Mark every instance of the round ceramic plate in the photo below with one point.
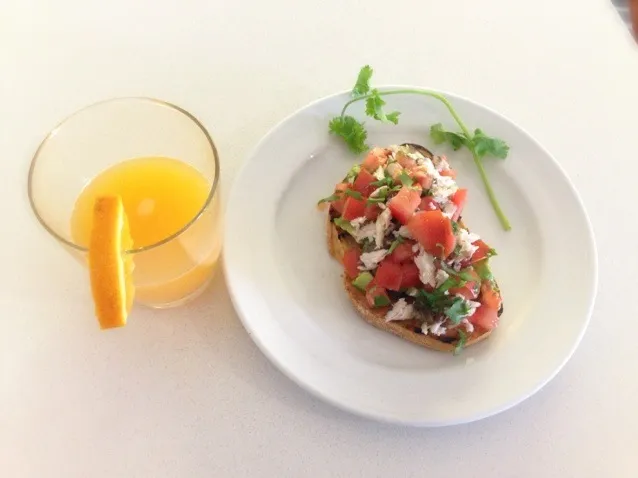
(288, 290)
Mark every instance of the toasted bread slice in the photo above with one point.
(407, 329)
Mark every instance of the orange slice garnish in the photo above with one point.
(110, 268)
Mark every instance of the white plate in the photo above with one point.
(288, 291)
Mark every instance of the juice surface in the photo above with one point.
(160, 196)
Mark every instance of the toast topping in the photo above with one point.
(401, 310)
(399, 214)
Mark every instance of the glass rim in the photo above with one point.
(184, 228)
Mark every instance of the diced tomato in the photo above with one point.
(485, 317)
(353, 208)
(481, 253)
(428, 204)
(448, 172)
(388, 275)
(375, 158)
(406, 161)
(489, 296)
(433, 231)
(404, 204)
(459, 198)
(338, 205)
(372, 211)
(471, 288)
(362, 182)
(423, 178)
(351, 262)
(402, 253)
(410, 275)
(372, 291)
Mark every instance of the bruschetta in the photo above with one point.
(411, 266)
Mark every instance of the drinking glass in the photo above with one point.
(172, 270)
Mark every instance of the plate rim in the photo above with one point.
(368, 414)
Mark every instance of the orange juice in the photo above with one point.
(161, 196)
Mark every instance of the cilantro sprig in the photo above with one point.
(479, 144)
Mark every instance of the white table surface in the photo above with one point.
(185, 392)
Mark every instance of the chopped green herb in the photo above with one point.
(375, 200)
(382, 192)
(368, 245)
(352, 174)
(387, 181)
(461, 342)
(362, 86)
(457, 311)
(435, 301)
(352, 132)
(394, 244)
(483, 270)
(451, 283)
(381, 301)
(353, 194)
(491, 252)
(343, 224)
(455, 227)
(334, 197)
(465, 274)
(405, 179)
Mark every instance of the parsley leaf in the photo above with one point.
(376, 200)
(393, 117)
(484, 145)
(362, 86)
(353, 194)
(334, 197)
(465, 274)
(374, 108)
(439, 136)
(449, 283)
(457, 311)
(461, 342)
(387, 181)
(352, 132)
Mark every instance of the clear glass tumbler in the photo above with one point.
(163, 163)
